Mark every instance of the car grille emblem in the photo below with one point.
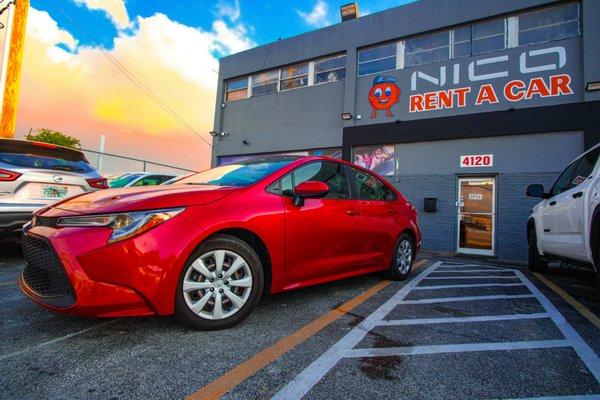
(57, 178)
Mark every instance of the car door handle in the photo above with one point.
(391, 211)
(352, 212)
(552, 203)
(577, 195)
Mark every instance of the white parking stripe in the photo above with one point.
(584, 351)
(304, 381)
(450, 266)
(576, 397)
(57, 340)
(455, 348)
(467, 298)
(453, 320)
(471, 270)
(346, 346)
(473, 277)
(467, 285)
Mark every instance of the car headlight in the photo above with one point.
(124, 225)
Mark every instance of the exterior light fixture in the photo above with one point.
(592, 86)
(218, 134)
(346, 116)
(349, 11)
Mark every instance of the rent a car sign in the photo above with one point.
(522, 77)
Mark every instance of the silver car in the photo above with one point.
(33, 175)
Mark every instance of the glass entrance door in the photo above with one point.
(476, 215)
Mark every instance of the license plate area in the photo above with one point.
(54, 192)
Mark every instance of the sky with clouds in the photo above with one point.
(120, 67)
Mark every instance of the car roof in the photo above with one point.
(41, 149)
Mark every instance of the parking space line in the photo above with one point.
(583, 310)
(453, 320)
(243, 371)
(455, 348)
(56, 340)
(467, 298)
(461, 266)
(471, 270)
(473, 277)
(575, 397)
(583, 350)
(346, 346)
(312, 374)
(467, 285)
(9, 283)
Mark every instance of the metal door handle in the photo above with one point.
(391, 211)
(553, 203)
(577, 195)
(352, 212)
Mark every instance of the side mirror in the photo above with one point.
(309, 190)
(536, 191)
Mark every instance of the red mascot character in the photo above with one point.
(383, 95)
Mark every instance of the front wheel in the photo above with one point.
(402, 260)
(220, 285)
(534, 260)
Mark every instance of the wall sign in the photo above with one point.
(477, 160)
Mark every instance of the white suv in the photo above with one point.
(565, 225)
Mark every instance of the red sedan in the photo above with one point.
(207, 248)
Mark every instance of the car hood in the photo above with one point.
(140, 198)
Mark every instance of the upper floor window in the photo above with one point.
(294, 76)
(488, 36)
(549, 24)
(236, 89)
(330, 69)
(266, 82)
(377, 59)
(427, 49)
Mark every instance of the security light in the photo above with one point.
(592, 86)
(346, 116)
(349, 11)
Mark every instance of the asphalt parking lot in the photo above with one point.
(456, 329)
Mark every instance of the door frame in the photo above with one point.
(480, 252)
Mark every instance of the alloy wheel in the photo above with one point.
(217, 284)
(404, 256)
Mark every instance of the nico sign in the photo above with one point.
(477, 160)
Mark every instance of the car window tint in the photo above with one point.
(45, 162)
(584, 168)
(369, 187)
(564, 181)
(332, 174)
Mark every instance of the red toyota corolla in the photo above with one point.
(207, 248)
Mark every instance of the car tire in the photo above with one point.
(402, 258)
(534, 259)
(196, 307)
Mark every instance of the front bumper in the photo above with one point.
(135, 277)
(11, 222)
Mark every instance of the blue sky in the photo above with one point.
(266, 21)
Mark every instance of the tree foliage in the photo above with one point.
(54, 137)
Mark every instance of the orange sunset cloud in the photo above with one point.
(78, 90)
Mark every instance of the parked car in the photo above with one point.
(175, 179)
(33, 175)
(565, 225)
(207, 248)
(139, 179)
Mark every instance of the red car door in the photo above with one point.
(323, 237)
(380, 213)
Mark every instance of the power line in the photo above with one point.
(130, 76)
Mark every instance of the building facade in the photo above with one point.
(460, 104)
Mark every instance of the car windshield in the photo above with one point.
(241, 174)
(123, 180)
(44, 162)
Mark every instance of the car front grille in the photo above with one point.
(44, 273)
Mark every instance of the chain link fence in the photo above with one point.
(111, 164)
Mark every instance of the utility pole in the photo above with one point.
(11, 63)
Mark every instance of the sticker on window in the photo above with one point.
(578, 180)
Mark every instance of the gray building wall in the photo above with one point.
(518, 162)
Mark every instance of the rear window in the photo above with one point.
(25, 154)
(39, 162)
